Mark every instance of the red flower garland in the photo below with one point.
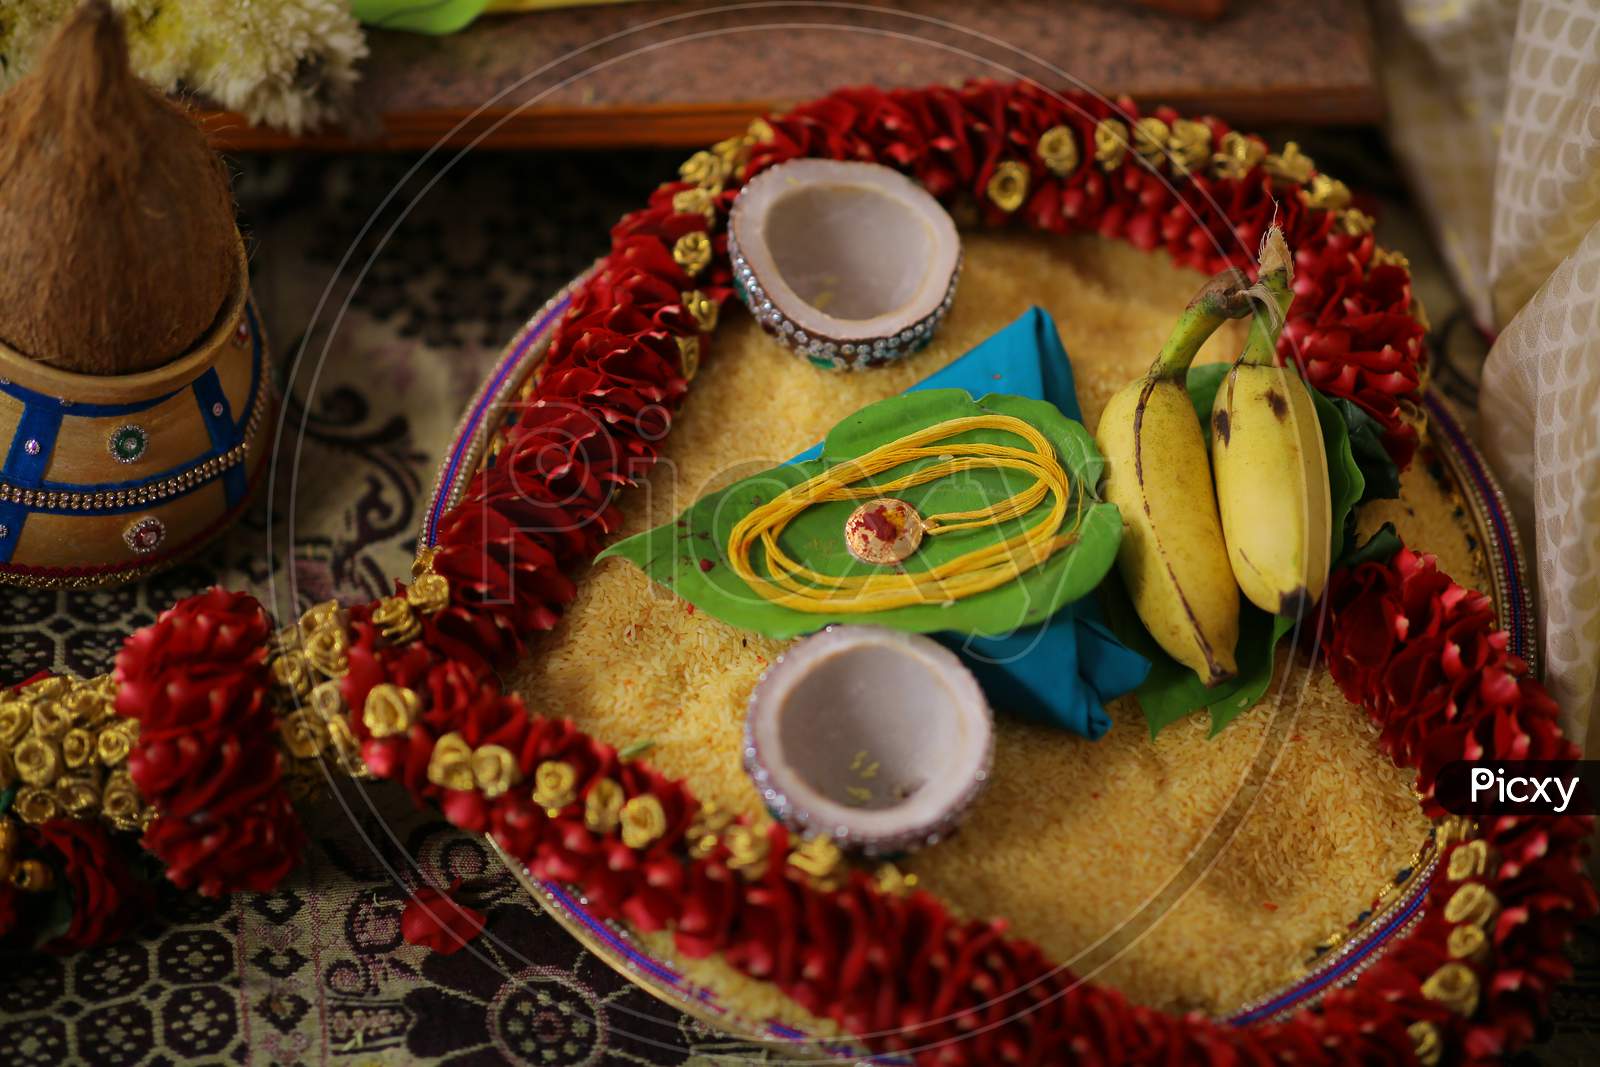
(196, 682)
(108, 901)
(1354, 335)
(1421, 654)
(87, 868)
(435, 920)
(897, 967)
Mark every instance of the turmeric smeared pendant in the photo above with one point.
(883, 531)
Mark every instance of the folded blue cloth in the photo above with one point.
(1063, 671)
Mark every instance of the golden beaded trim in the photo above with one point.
(1421, 864)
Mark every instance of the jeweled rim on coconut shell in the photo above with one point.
(406, 687)
(830, 352)
(831, 342)
(794, 800)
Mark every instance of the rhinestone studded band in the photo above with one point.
(827, 352)
(151, 492)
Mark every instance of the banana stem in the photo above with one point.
(1274, 284)
(1220, 299)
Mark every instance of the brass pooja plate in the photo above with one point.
(1338, 961)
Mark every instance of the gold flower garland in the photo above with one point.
(65, 750)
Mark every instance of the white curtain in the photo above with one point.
(1495, 113)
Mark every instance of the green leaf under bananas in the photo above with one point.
(1346, 482)
(1366, 445)
(1379, 548)
(1171, 690)
(689, 555)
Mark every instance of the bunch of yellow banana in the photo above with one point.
(1270, 463)
(1172, 557)
(1188, 547)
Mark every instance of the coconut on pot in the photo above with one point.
(135, 387)
(849, 265)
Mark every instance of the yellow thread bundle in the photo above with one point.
(796, 586)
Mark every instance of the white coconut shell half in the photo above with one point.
(877, 739)
(848, 265)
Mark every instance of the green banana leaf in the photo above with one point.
(689, 555)
(1171, 690)
(1347, 485)
(1378, 468)
(1379, 548)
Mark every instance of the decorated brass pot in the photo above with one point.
(107, 478)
